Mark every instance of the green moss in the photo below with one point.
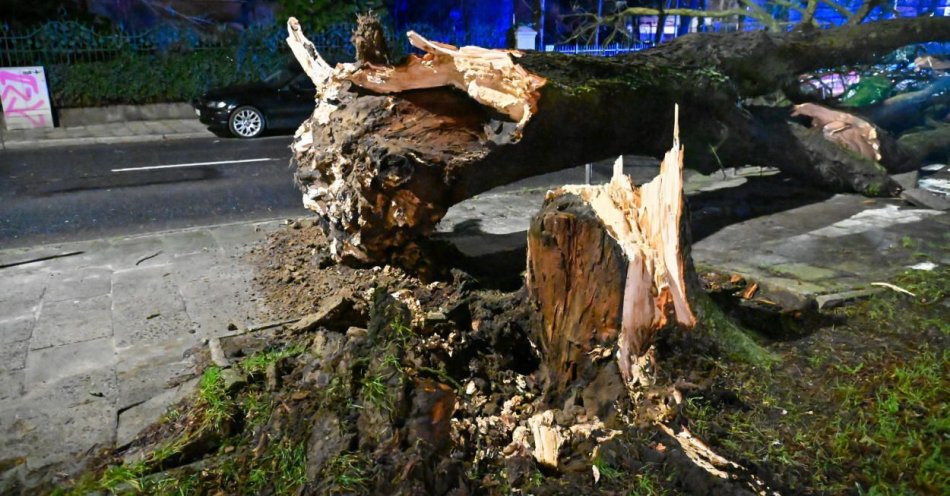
(731, 339)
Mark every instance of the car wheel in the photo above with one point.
(246, 122)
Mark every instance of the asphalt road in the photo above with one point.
(85, 192)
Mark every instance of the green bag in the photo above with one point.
(868, 91)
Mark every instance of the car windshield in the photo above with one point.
(280, 77)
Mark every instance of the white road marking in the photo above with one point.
(194, 164)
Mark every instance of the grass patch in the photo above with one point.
(283, 469)
(349, 472)
(648, 483)
(899, 426)
(257, 408)
(374, 391)
(401, 332)
(335, 394)
(258, 362)
(213, 400)
(118, 475)
(607, 471)
(859, 406)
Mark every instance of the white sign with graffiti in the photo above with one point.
(25, 98)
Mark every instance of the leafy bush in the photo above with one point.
(136, 78)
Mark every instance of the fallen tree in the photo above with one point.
(390, 148)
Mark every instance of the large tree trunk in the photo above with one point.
(607, 270)
(389, 149)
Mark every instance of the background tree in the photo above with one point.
(318, 14)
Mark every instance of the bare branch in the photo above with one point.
(808, 18)
(307, 54)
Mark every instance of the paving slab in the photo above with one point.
(72, 321)
(145, 370)
(147, 306)
(91, 256)
(861, 242)
(217, 293)
(74, 284)
(134, 419)
(16, 329)
(135, 252)
(11, 386)
(804, 272)
(137, 127)
(87, 336)
(23, 298)
(238, 239)
(15, 256)
(98, 385)
(835, 300)
(798, 243)
(49, 436)
(53, 364)
(13, 355)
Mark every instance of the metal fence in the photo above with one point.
(602, 50)
(71, 42)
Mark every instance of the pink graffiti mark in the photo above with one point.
(12, 96)
(19, 78)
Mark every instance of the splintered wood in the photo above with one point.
(490, 77)
(844, 129)
(606, 267)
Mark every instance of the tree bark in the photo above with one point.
(902, 112)
(389, 149)
(932, 145)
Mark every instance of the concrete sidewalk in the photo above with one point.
(116, 132)
(805, 249)
(87, 340)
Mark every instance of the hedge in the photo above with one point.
(142, 78)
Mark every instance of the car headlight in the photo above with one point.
(219, 105)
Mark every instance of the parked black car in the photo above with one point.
(281, 101)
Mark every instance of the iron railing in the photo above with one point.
(608, 50)
(69, 42)
(72, 42)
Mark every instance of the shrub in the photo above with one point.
(135, 78)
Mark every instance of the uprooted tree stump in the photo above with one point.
(607, 269)
(389, 148)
